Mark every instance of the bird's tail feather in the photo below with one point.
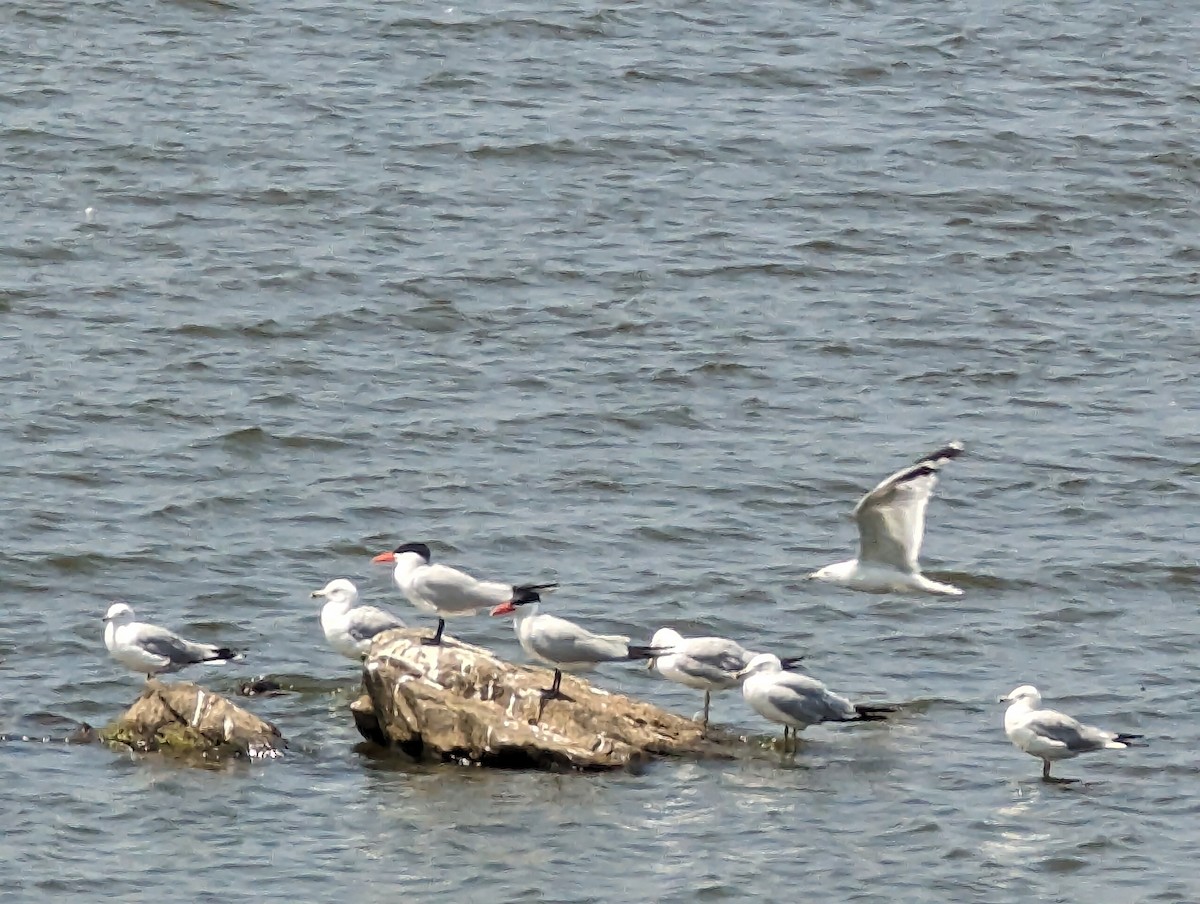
(637, 651)
(224, 654)
(874, 712)
(1130, 740)
(789, 661)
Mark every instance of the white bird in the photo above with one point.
(891, 525)
(798, 701)
(152, 650)
(705, 663)
(448, 591)
(1051, 735)
(350, 628)
(564, 644)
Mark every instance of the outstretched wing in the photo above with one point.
(891, 518)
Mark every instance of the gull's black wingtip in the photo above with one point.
(952, 449)
(875, 712)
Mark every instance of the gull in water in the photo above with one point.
(564, 644)
(705, 663)
(447, 591)
(1050, 735)
(350, 628)
(152, 650)
(798, 701)
(891, 525)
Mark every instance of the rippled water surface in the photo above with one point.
(638, 297)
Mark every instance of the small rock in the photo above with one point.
(188, 720)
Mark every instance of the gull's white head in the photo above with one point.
(666, 637)
(1027, 694)
(838, 573)
(339, 590)
(119, 614)
(663, 639)
(762, 664)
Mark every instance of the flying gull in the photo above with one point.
(891, 525)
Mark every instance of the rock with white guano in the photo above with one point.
(462, 703)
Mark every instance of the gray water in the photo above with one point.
(638, 297)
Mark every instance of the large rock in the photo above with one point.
(191, 721)
(460, 703)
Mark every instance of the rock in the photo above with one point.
(262, 686)
(187, 720)
(461, 703)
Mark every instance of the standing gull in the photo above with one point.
(705, 663)
(348, 627)
(565, 645)
(1051, 735)
(152, 650)
(797, 701)
(448, 591)
(891, 525)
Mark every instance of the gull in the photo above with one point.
(891, 525)
(152, 650)
(705, 663)
(1051, 735)
(564, 644)
(350, 628)
(448, 591)
(798, 701)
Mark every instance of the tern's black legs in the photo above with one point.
(436, 640)
(552, 692)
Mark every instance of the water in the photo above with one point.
(636, 297)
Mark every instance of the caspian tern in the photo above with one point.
(705, 663)
(891, 526)
(1051, 735)
(152, 650)
(448, 591)
(798, 701)
(564, 644)
(348, 627)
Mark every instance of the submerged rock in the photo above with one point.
(188, 720)
(461, 703)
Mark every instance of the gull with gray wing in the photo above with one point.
(798, 701)
(348, 627)
(704, 663)
(151, 650)
(1050, 735)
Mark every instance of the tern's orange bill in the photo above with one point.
(385, 557)
(504, 609)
